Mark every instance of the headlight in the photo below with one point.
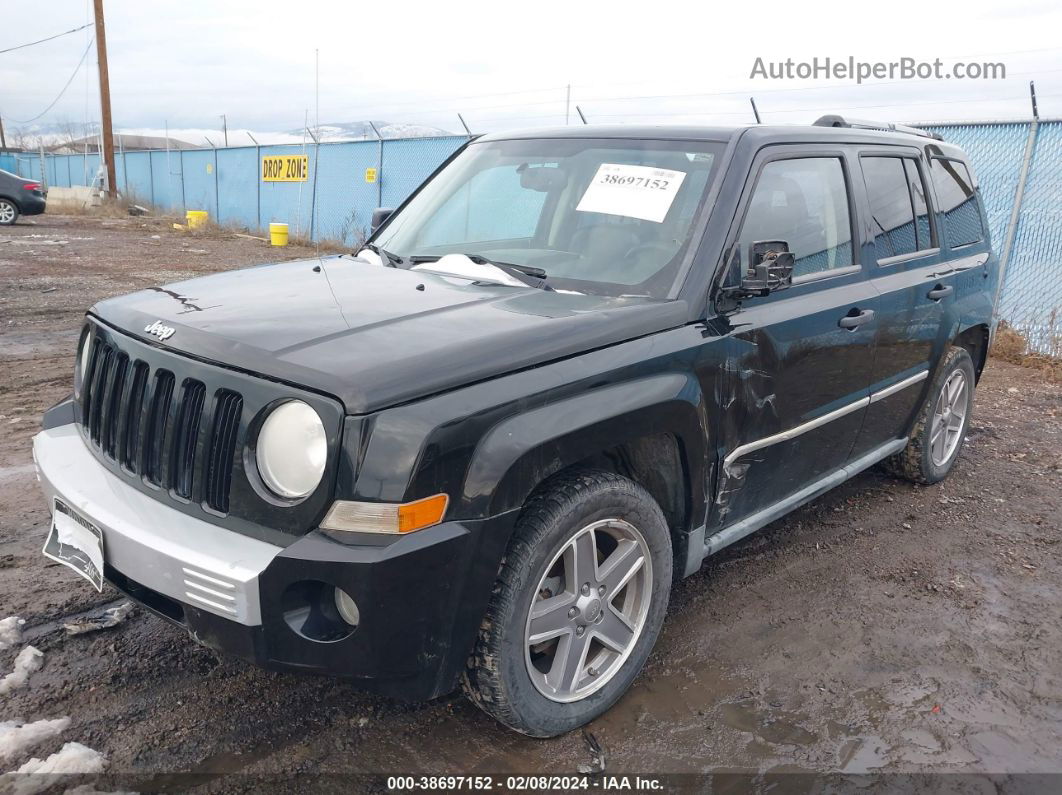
(81, 366)
(292, 450)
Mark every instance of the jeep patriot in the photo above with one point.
(574, 363)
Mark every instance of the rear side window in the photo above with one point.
(891, 208)
(803, 202)
(958, 202)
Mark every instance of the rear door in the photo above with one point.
(917, 290)
(800, 359)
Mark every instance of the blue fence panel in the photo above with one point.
(60, 172)
(407, 162)
(30, 167)
(92, 167)
(8, 162)
(237, 173)
(288, 202)
(166, 180)
(137, 180)
(1032, 292)
(345, 201)
(119, 172)
(200, 187)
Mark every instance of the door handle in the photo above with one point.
(851, 321)
(939, 292)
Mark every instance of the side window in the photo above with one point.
(493, 204)
(891, 211)
(803, 202)
(958, 202)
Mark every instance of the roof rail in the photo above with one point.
(833, 120)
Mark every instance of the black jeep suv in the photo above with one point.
(569, 367)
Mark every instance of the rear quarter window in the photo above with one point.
(958, 202)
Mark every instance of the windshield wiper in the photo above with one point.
(516, 271)
(389, 259)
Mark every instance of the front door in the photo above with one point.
(800, 359)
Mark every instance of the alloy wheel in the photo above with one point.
(589, 610)
(949, 414)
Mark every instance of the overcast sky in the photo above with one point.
(507, 64)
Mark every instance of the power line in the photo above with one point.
(63, 91)
(41, 41)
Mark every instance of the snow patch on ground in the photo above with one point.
(30, 659)
(17, 737)
(10, 632)
(37, 774)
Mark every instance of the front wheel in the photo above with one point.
(942, 423)
(577, 606)
(8, 212)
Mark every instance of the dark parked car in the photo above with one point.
(19, 196)
(566, 370)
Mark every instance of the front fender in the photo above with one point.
(520, 452)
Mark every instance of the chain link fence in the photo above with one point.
(346, 181)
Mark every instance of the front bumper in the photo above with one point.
(421, 597)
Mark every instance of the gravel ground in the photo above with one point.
(884, 627)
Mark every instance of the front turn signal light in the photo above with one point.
(384, 517)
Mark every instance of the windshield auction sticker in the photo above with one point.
(632, 191)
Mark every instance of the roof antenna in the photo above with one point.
(755, 110)
(1032, 96)
(461, 118)
(580, 112)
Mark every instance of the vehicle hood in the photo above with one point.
(374, 336)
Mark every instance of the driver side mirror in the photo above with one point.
(770, 268)
(379, 215)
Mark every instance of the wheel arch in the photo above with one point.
(651, 430)
(975, 340)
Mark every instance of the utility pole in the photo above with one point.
(105, 97)
(3, 140)
(225, 128)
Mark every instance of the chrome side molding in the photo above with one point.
(818, 422)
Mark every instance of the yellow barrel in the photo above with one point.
(196, 218)
(278, 234)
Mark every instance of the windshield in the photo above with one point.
(612, 217)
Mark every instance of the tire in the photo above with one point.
(522, 685)
(926, 459)
(8, 212)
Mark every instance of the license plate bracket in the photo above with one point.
(75, 542)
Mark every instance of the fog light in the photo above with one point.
(347, 607)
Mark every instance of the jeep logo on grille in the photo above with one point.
(160, 331)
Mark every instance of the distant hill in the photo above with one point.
(358, 130)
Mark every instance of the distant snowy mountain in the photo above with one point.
(358, 130)
(59, 134)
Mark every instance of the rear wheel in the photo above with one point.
(577, 606)
(942, 423)
(8, 212)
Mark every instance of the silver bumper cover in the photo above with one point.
(184, 558)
